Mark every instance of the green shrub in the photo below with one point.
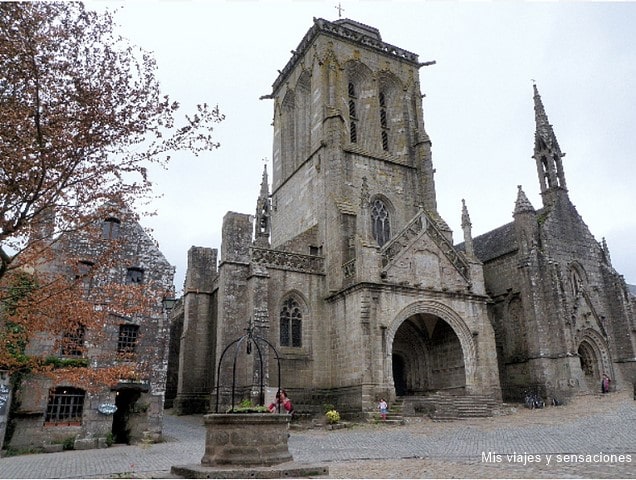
(327, 406)
(68, 443)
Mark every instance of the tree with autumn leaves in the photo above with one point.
(82, 118)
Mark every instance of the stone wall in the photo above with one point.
(132, 248)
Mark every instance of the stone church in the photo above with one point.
(349, 272)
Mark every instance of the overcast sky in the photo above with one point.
(478, 108)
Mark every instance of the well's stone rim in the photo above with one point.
(233, 418)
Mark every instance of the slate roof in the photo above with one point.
(494, 244)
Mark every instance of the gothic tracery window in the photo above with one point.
(291, 324)
(575, 281)
(381, 227)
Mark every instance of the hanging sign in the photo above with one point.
(107, 408)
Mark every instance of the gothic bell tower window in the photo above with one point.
(383, 123)
(381, 227)
(353, 118)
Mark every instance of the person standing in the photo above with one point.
(605, 383)
(384, 409)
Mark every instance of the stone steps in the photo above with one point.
(448, 407)
(394, 417)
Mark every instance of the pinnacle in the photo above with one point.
(522, 205)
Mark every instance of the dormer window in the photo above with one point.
(110, 228)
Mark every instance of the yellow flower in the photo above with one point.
(332, 416)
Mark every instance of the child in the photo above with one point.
(384, 409)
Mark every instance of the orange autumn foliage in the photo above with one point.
(82, 117)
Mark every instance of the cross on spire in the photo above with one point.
(340, 10)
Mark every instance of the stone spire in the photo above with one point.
(547, 152)
(466, 227)
(522, 205)
(262, 225)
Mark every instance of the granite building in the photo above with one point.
(349, 271)
(347, 267)
(54, 414)
(563, 316)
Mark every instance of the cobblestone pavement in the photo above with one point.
(594, 437)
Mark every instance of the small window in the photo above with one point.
(291, 324)
(134, 275)
(352, 109)
(73, 342)
(65, 405)
(315, 251)
(83, 268)
(82, 274)
(127, 340)
(383, 123)
(111, 228)
(353, 128)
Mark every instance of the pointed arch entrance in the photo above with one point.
(594, 359)
(431, 350)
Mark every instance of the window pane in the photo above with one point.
(291, 324)
(297, 333)
(134, 275)
(127, 341)
(110, 228)
(284, 332)
(380, 222)
(73, 342)
(66, 404)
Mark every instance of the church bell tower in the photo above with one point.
(348, 124)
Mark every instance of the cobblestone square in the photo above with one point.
(593, 437)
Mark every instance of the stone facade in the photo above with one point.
(355, 278)
(562, 315)
(347, 268)
(139, 403)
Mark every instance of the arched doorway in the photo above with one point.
(399, 375)
(427, 356)
(590, 365)
(594, 359)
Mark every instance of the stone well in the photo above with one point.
(246, 439)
